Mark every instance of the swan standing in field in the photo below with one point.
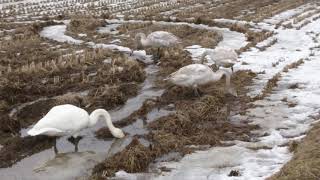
(157, 39)
(194, 75)
(68, 119)
(222, 56)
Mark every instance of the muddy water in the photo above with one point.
(148, 91)
(69, 164)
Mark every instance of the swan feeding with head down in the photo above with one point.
(194, 75)
(157, 39)
(222, 57)
(68, 119)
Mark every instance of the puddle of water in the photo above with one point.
(148, 91)
(136, 128)
(69, 165)
(157, 113)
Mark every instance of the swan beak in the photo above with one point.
(233, 92)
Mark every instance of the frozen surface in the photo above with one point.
(57, 33)
(279, 122)
(68, 165)
(109, 29)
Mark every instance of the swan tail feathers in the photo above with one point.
(44, 131)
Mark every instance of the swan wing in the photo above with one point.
(46, 131)
(224, 54)
(194, 69)
(65, 118)
(163, 38)
(190, 73)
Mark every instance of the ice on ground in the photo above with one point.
(109, 29)
(279, 122)
(288, 14)
(57, 33)
(231, 39)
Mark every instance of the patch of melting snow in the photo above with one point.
(231, 39)
(279, 122)
(109, 29)
(288, 14)
(72, 165)
(82, 35)
(57, 33)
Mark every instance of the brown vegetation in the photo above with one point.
(306, 160)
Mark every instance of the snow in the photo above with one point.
(279, 122)
(288, 14)
(57, 33)
(109, 29)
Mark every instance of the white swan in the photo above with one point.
(157, 39)
(70, 120)
(194, 75)
(222, 56)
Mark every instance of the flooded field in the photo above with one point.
(85, 53)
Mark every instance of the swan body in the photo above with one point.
(68, 119)
(194, 75)
(222, 56)
(157, 39)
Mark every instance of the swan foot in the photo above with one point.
(75, 142)
(157, 56)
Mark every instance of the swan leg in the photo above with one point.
(159, 54)
(55, 147)
(75, 142)
(196, 92)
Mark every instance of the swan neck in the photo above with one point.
(203, 57)
(96, 114)
(218, 75)
(144, 40)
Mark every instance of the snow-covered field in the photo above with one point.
(279, 122)
(284, 111)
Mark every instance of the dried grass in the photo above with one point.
(305, 163)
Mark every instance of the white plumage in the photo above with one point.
(157, 39)
(194, 75)
(70, 120)
(222, 56)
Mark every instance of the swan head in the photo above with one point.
(232, 91)
(138, 38)
(118, 133)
